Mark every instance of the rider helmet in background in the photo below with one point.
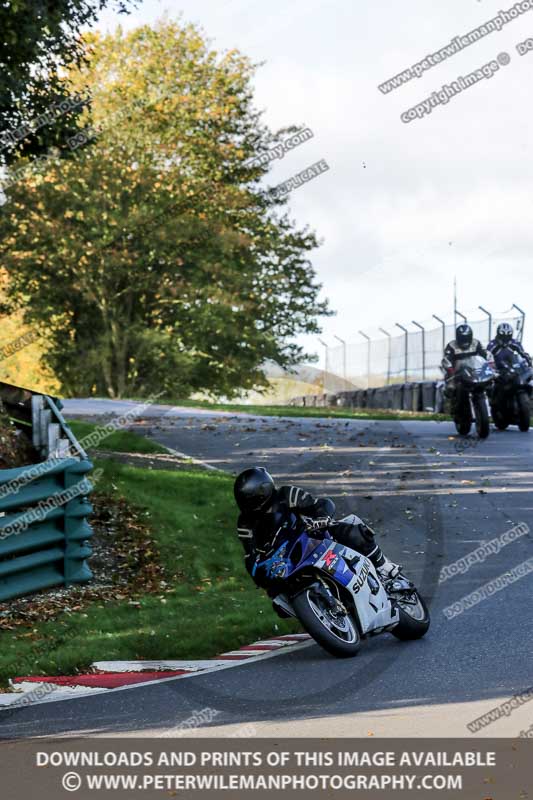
(464, 336)
(253, 489)
(504, 333)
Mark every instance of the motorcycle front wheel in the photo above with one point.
(482, 416)
(523, 412)
(463, 426)
(335, 631)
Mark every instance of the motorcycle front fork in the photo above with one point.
(484, 399)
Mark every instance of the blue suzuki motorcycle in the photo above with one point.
(336, 592)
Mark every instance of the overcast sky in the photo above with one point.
(404, 207)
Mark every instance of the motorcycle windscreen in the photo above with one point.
(473, 362)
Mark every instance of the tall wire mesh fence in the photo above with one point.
(412, 355)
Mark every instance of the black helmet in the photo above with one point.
(464, 335)
(253, 489)
(504, 333)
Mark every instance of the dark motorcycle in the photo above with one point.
(510, 399)
(469, 384)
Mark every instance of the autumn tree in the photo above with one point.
(38, 38)
(154, 257)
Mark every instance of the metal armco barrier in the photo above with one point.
(44, 533)
(413, 396)
(44, 530)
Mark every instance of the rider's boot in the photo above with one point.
(385, 568)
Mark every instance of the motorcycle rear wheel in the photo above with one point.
(339, 635)
(500, 420)
(524, 412)
(482, 417)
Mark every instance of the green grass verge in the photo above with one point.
(119, 441)
(211, 606)
(301, 411)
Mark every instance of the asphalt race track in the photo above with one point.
(431, 503)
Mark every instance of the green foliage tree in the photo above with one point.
(37, 39)
(154, 258)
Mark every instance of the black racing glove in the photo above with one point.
(315, 525)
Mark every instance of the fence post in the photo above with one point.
(489, 315)
(368, 340)
(418, 325)
(388, 353)
(523, 320)
(77, 529)
(342, 341)
(461, 315)
(443, 331)
(406, 354)
(325, 373)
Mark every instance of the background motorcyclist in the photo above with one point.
(463, 346)
(264, 508)
(504, 342)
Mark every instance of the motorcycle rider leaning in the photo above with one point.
(504, 342)
(264, 508)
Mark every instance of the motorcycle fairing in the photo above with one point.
(372, 604)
